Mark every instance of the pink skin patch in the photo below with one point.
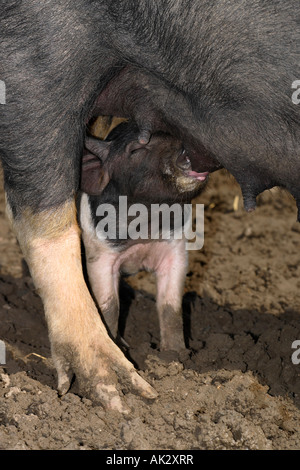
(184, 163)
(153, 256)
(198, 176)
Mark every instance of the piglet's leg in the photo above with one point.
(105, 286)
(100, 262)
(50, 241)
(170, 282)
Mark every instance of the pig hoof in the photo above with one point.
(104, 377)
(64, 374)
(64, 384)
(112, 398)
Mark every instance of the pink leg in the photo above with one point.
(170, 282)
(105, 285)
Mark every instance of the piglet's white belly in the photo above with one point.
(152, 256)
(157, 256)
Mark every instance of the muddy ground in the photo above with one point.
(235, 388)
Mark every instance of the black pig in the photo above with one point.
(218, 74)
(156, 172)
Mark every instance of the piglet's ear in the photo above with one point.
(133, 146)
(97, 147)
(94, 176)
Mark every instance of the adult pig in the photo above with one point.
(230, 65)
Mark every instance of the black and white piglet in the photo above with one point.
(154, 173)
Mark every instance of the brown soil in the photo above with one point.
(235, 388)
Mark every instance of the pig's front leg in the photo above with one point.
(170, 282)
(79, 341)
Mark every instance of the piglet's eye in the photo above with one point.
(185, 156)
(183, 161)
(140, 152)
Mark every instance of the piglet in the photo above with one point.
(140, 175)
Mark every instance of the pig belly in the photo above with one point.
(153, 256)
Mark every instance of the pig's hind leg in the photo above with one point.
(105, 287)
(170, 282)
